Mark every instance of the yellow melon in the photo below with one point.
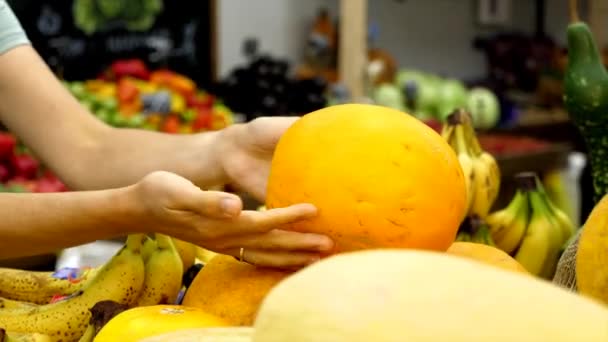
(231, 289)
(379, 177)
(423, 296)
(486, 254)
(140, 322)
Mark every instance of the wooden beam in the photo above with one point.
(353, 46)
(598, 16)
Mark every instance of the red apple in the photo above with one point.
(7, 145)
(5, 173)
(24, 165)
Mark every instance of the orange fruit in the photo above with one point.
(486, 254)
(379, 177)
(232, 290)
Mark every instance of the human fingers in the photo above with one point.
(213, 204)
(274, 259)
(266, 131)
(164, 190)
(278, 239)
(254, 221)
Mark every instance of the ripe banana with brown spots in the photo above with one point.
(10, 304)
(40, 287)
(120, 280)
(163, 274)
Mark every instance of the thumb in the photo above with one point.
(216, 204)
(266, 131)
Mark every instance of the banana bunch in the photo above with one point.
(42, 287)
(120, 279)
(531, 228)
(480, 169)
(144, 272)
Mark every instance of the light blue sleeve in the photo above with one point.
(11, 32)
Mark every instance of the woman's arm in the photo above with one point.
(84, 152)
(41, 223)
(161, 202)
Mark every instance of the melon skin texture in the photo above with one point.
(423, 296)
(380, 178)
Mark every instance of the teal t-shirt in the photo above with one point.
(11, 32)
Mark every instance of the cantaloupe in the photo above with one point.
(423, 296)
(592, 254)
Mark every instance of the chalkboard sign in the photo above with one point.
(173, 34)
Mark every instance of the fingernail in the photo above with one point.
(230, 206)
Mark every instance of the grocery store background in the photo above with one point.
(419, 33)
(515, 49)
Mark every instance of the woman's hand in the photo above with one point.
(245, 152)
(215, 220)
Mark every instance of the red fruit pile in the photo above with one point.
(19, 170)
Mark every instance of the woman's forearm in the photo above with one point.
(129, 154)
(86, 153)
(32, 224)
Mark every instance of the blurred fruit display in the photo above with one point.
(264, 87)
(128, 94)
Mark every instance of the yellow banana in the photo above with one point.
(163, 274)
(88, 335)
(466, 163)
(204, 255)
(40, 287)
(485, 189)
(565, 224)
(564, 221)
(10, 304)
(21, 337)
(447, 132)
(494, 174)
(508, 225)
(480, 169)
(119, 280)
(187, 252)
(149, 246)
(535, 250)
(556, 238)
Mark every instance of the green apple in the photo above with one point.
(484, 107)
(420, 90)
(388, 95)
(404, 76)
(452, 95)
